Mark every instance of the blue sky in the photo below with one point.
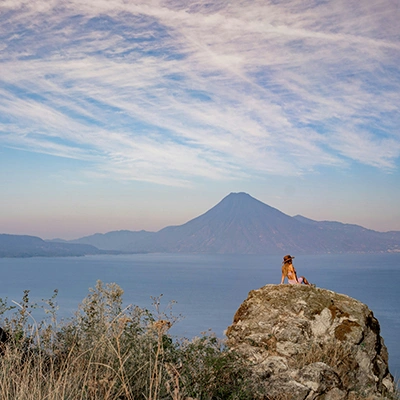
(141, 114)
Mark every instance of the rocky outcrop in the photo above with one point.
(310, 343)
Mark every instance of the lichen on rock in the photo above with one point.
(311, 343)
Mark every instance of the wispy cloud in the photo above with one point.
(170, 91)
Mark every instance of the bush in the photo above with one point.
(109, 352)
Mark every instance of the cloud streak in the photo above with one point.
(170, 92)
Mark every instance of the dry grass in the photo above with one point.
(110, 353)
(333, 353)
(341, 358)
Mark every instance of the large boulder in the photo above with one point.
(311, 343)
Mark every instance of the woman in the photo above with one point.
(289, 272)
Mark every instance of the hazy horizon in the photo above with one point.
(139, 116)
(115, 230)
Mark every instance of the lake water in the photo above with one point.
(208, 289)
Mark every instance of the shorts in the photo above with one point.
(293, 281)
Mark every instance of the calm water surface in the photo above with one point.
(208, 289)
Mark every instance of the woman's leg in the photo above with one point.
(305, 281)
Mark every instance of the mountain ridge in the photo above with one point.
(238, 224)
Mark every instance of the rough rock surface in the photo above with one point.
(310, 343)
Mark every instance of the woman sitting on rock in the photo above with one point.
(289, 272)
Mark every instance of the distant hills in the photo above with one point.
(32, 246)
(239, 224)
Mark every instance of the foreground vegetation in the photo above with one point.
(109, 352)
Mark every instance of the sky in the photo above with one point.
(123, 114)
